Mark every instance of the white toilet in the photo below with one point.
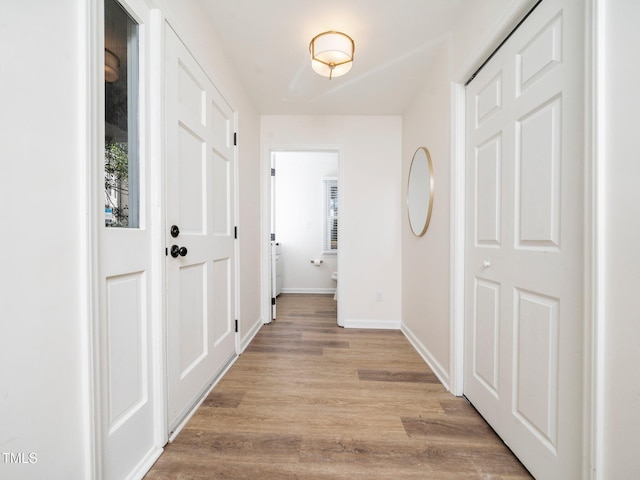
(334, 278)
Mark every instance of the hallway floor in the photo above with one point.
(310, 400)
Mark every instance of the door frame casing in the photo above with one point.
(593, 224)
(94, 36)
(267, 153)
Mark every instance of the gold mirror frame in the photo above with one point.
(420, 191)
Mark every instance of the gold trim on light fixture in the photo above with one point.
(111, 66)
(331, 53)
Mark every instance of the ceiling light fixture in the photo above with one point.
(331, 54)
(111, 66)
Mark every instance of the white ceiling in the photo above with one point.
(268, 43)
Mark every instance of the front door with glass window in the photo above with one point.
(125, 383)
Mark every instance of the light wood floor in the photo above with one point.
(309, 400)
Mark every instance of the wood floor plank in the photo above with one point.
(224, 399)
(396, 376)
(310, 400)
(447, 428)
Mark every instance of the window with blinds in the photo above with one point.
(330, 236)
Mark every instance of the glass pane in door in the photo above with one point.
(121, 81)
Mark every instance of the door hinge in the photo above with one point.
(235, 232)
(273, 237)
(235, 138)
(273, 301)
(236, 326)
(273, 172)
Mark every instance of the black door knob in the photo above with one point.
(175, 231)
(178, 251)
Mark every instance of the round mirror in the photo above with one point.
(420, 191)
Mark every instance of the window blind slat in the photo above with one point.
(330, 235)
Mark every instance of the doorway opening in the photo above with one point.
(304, 223)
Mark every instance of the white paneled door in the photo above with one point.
(200, 261)
(524, 237)
(126, 399)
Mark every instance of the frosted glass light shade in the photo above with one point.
(331, 54)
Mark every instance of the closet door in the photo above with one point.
(524, 237)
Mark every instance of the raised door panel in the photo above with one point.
(488, 100)
(488, 193)
(191, 200)
(535, 359)
(486, 334)
(126, 333)
(193, 317)
(540, 55)
(221, 194)
(221, 300)
(191, 94)
(538, 161)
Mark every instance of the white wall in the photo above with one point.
(426, 269)
(43, 309)
(191, 24)
(621, 381)
(426, 259)
(369, 257)
(300, 219)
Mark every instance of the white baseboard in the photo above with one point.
(310, 290)
(246, 340)
(372, 324)
(426, 355)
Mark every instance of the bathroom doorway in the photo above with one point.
(304, 222)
